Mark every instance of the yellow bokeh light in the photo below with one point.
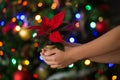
(1, 43)
(26, 62)
(87, 62)
(40, 4)
(19, 1)
(114, 77)
(17, 28)
(53, 6)
(37, 17)
(25, 33)
(100, 19)
(19, 67)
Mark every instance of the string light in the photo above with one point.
(77, 24)
(2, 23)
(40, 4)
(24, 3)
(39, 21)
(26, 62)
(88, 7)
(77, 16)
(71, 66)
(110, 65)
(40, 57)
(17, 28)
(87, 62)
(53, 6)
(100, 19)
(35, 44)
(22, 17)
(13, 50)
(1, 53)
(72, 39)
(1, 43)
(34, 35)
(35, 75)
(19, 1)
(93, 25)
(13, 60)
(95, 33)
(4, 10)
(13, 19)
(19, 67)
(114, 77)
(37, 17)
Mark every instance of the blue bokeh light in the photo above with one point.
(20, 16)
(110, 65)
(2, 23)
(77, 16)
(95, 33)
(72, 39)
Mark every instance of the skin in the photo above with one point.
(105, 49)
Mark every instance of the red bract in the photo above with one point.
(48, 26)
(55, 37)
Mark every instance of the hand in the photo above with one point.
(57, 58)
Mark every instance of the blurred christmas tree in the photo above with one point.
(19, 55)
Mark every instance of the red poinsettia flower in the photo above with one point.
(48, 26)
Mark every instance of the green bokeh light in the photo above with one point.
(88, 7)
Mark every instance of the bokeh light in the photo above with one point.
(13, 60)
(2, 23)
(110, 65)
(13, 19)
(25, 3)
(40, 4)
(88, 7)
(53, 6)
(1, 53)
(35, 44)
(19, 67)
(87, 62)
(17, 28)
(77, 16)
(13, 50)
(71, 66)
(26, 62)
(72, 39)
(114, 77)
(37, 17)
(1, 43)
(93, 25)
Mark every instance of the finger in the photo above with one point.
(54, 66)
(50, 62)
(50, 52)
(48, 58)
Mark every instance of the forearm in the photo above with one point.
(111, 57)
(102, 45)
